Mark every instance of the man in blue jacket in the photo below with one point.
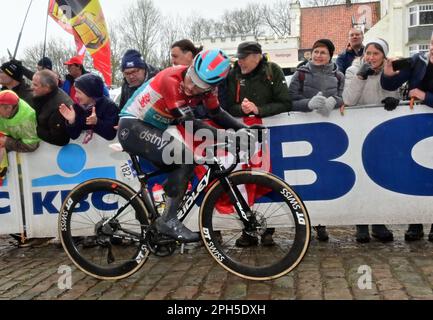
(354, 49)
(420, 79)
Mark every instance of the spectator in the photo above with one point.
(354, 49)
(75, 70)
(93, 113)
(362, 87)
(183, 52)
(305, 59)
(256, 87)
(44, 63)
(11, 77)
(17, 123)
(18, 128)
(48, 97)
(135, 72)
(318, 85)
(420, 82)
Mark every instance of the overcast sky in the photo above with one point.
(11, 19)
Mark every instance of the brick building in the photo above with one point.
(333, 22)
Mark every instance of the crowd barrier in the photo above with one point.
(11, 217)
(366, 166)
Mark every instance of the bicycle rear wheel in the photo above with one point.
(104, 250)
(274, 206)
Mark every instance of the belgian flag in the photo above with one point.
(85, 20)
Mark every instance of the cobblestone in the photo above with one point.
(331, 271)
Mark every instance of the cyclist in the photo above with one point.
(169, 98)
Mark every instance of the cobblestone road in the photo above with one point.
(400, 270)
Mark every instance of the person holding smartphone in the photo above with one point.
(419, 74)
(417, 70)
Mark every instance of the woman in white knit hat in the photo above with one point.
(362, 87)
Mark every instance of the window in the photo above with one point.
(413, 16)
(421, 15)
(422, 48)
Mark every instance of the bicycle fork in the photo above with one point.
(240, 204)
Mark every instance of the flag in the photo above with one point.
(85, 20)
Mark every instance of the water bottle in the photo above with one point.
(159, 197)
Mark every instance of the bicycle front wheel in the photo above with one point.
(279, 215)
(99, 245)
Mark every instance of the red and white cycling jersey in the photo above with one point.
(155, 99)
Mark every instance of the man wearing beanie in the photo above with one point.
(93, 112)
(11, 77)
(135, 72)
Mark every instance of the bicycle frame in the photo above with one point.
(216, 171)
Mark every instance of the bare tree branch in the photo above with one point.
(200, 28)
(243, 21)
(278, 18)
(140, 27)
(170, 33)
(116, 55)
(56, 49)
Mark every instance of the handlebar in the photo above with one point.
(259, 136)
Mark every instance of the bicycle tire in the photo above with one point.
(288, 209)
(76, 224)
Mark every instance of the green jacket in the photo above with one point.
(21, 129)
(265, 86)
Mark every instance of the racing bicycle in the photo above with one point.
(107, 228)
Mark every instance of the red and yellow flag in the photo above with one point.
(85, 20)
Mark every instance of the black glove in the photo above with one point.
(390, 103)
(365, 71)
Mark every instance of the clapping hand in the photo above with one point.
(67, 112)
